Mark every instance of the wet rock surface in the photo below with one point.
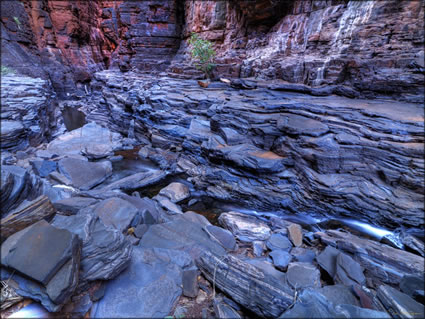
(176, 194)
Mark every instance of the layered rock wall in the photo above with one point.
(275, 151)
(375, 47)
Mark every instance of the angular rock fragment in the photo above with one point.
(43, 167)
(327, 260)
(235, 277)
(245, 228)
(279, 241)
(116, 212)
(281, 259)
(223, 236)
(72, 205)
(399, 304)
(105, 251)
(148, 288)
(25, 215)
(303, 255)
(348, 271)
(295, 234)
(258, 248)
(180, 234)
(222, 310)
(303, 275)
(49, 258)
(89, 136)
(137, 181)
(386, 263)
(313, 304)
(84, 175)
(190, 282)
(176, 192)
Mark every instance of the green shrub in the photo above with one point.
(203, 54)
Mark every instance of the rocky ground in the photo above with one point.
(249, 199)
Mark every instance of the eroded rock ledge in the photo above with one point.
(275, 150)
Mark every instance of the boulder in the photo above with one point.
(137, 181)
(281, 259)
(49, 258)
(327, 260)
(386, 263)
(313, 304)
(148, 288)
(303, 275)
(89, 137)
(116, 212)
(84, 175)
(348, 271)
(245, 228)
(105, 251)
(72, 205)
(190, 282)
(295, 234)
(43, 167)
(399, 304)
(180, 234)
(222, 236)
(303, 254)
(237, 277)
(176, 192)
(279, 241)
(26, 214)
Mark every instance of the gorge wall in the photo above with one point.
(375, 47)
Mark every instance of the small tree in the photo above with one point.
(203, 54)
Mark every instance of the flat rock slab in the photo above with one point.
(312, 304)
(49, 258)
(176, 192)
(88, 137)
(180, 234)
(303, 275)
(72, 205)
(303, 254)
(105, 252)
(279, 241)
(245, 228)
(148, 288)
(301, 125)
(39, 251)
(137, 181)
(327, 260)
(223, 236)
(386, 263)
(84, 175)
(348, 271)
(400, 304)
(281, 259)
(250, 286)
(116, 212)
(43, 167)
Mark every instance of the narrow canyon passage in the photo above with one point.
(290, 185)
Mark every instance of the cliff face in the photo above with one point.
(373, 46)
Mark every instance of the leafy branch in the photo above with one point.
(203, 54)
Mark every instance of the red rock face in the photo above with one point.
(369, 45)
